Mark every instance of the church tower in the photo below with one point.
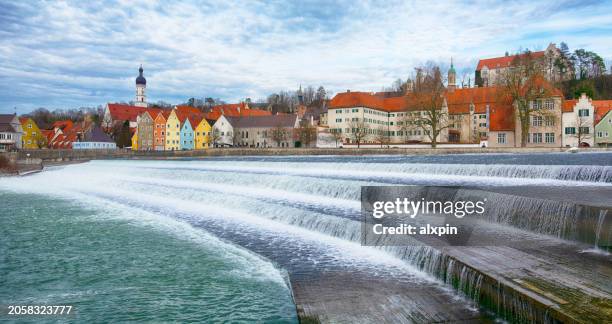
(452, 77)
(141, 86)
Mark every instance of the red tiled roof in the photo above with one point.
(459, 100)
(23, 120)
(568, 105)
(501, 118)
(602, 107)
(503, 61)
(188, 109)
(234, 110)
(127, 112)
(62, 124)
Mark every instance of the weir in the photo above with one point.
(308, 223)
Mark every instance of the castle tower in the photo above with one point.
(141, 86)
(452, 77)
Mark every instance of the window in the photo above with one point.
(33, 133)
(584, 130)
(482, 125)
(536, 105)
(549, 104)
(536, 120)
(600, 134)
(570, 130)
(583, 113)
(550, 137)
(536, 137)
(501, 138)
(549, 121)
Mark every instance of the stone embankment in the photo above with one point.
(70, 155)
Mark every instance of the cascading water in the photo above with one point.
(275, 207)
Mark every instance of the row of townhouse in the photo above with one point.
(475, 115)
(177, 129)
(188, 128)
(24, 133)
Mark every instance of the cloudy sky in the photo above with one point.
(69, 54)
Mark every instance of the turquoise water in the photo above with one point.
(114, 266)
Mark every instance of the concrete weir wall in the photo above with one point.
(70, 155)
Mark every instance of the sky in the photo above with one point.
(66, 55)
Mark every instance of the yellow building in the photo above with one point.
(202, 135)
(135, 141)
(173, 132)
(32, 136)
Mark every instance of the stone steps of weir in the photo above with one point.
(355, 297)
(570, 282)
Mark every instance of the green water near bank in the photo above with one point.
(114, 269)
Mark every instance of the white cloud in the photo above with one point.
(90, 52)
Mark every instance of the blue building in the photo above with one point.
(187, 138)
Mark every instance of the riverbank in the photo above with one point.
(67, 155)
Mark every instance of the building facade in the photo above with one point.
(603, 123)
(553, 65)
(145, 132)
(159, 131)
(173, 132)
(186, 135)
(578, 122)
(10, 132)
(33, 137)
(223, 132)
(264, 131)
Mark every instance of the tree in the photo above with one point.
(382, 136)
(278, 135)
(320, 95)
(523, 85)
(359, 131)
(214, 137)
(121, 134)
(306, 133)
(583, 127)
(428, 97)
(337, 135)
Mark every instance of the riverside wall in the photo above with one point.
(76, 155)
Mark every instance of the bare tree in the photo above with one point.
(214, 137)
(306, 133)
(359, 130)
(428, 97)
(337, 135)
(522, 84)
(278, 135)
(381, 135)
(583, 129)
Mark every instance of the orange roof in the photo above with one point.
(503, 61)
(458, 100)
(188, 109)
(23, 120)
(127, 112)
(602, 107)
(501, 118)
(234, 110)
(62, 124)
(568, 105)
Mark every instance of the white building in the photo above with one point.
(223, 132)
(578, 127)
(10, 132)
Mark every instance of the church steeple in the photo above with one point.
(141, 86)
(452, 77)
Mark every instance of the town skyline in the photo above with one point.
(232, 52)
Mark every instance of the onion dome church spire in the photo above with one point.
(141, 86)
(452, 77)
